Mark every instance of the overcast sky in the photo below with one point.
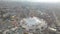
(50, 1)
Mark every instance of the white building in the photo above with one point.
(32, 23)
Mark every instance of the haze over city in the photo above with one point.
(46, 1)
(29, 16)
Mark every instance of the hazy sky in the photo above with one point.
(45, 0)
(52, 1)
